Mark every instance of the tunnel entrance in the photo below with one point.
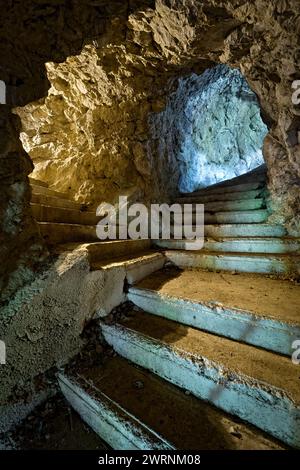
(212, 128)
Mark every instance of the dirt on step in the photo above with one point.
(256, 293)
(54, 426)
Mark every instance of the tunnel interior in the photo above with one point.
(208, 129)
(152, 100)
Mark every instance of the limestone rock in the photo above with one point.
(211, 128)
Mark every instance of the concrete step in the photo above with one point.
(258, 174)
(242, 195)
(220, 231)
(56, 233)
(255, 176)
(36, 182)
(240, 262)
(214, 190)
(61, 215)
(37, 189)
(237, 217)
(238, 205)
(254, 245)
(238, 245)
(120, 429)
(249, 308)
(258, 386)
(244, 230)
(110, 249)
(59, 233)
(137, 261)
(137, 265)
(134, 409)
(258, 216)
(52, 201)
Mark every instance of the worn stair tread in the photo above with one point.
(37, 182)
(234, 254)
(255, 216)
(287, 264)
(226, 189)
(111, 249)
(218, 197)
(237, 205)
(107, 253)
(127, 260)
(184, 421)
(54, 201)
(55, 232)
(238, 213)
(236, 360)
(262, 239)
(96, 247)
(255, 244)
(44, 213)
(119, 428)
(261, 295)
(37, 189)
(278, 256)
(249, 308)
(237, 244)
(241, 230)
(258, 175)
(246, 178)
(286, 239)
(261, 214)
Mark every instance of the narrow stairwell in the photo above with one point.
(237, 234)
(67, 225)
(203, 347)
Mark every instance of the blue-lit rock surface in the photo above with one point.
(212, 127)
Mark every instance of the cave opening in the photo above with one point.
(212, 128)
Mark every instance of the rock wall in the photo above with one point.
(31, 34)
(266, 48)
(42, 325)
(21, 249)
(88, 136)
(211, 128)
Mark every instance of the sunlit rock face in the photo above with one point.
(86, 138)
(212, 128)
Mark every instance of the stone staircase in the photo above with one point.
(229, 349)
(203, 357)
(60, 219)
(68, 226)
(237, 234)
(224, 339)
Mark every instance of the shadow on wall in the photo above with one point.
(211, 128)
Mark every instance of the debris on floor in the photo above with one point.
(53, 426)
